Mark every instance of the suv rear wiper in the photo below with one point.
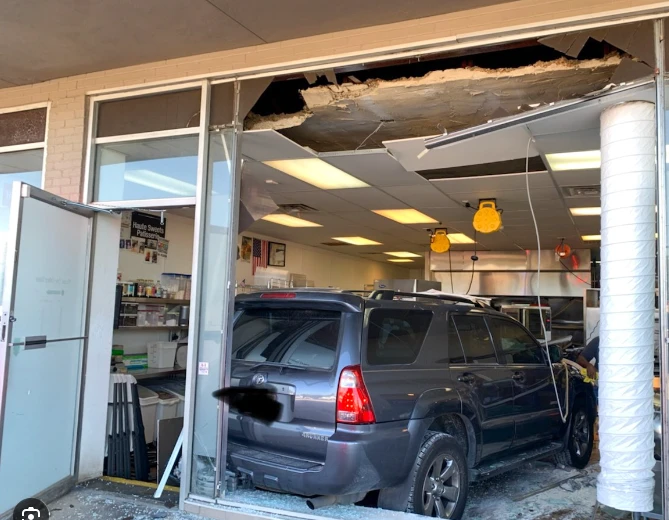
(273, 364)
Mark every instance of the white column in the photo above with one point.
(627, 307)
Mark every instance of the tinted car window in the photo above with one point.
(475, 339)
(395, 336)
(516, 344)
(294, 337)
(455, 354)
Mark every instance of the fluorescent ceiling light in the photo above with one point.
(160, 182)
(357, 241)
(403, 254)
(400, 260)
(586, 212)
(591, 238)
(289, 221)
(559, 162)
(459, 238)
(317, 173)
(405, 216)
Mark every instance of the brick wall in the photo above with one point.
(66, 126)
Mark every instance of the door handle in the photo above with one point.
(466, 378)
(518, 376)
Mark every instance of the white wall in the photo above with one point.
(100, 331)
(325, 268)
(179, 258)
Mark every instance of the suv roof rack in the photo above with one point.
(388, 294)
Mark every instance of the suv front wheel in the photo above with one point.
(440, 478)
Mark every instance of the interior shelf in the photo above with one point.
(154, 372)
(155, 301)
(156, 327)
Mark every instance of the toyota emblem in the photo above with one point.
(258, 379)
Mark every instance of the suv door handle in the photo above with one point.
(466, 378)
(518, 376)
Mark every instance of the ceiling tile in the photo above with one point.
(269, 145)
(285, 183)
(369, 198)
(491, 184)
(421, 196)
(375, 167)
(507, 144)
(321, 200)
(576, 141)
(577, 178)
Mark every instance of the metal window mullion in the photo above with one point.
(196, 291)
(22, 147)
(145, 136)
(89, 165)
(662, 245)
(228, 308)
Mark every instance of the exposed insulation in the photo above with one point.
(340, 117)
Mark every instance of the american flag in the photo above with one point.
(260, 253)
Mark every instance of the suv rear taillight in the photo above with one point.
(353, 403)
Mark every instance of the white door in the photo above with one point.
(42, 342)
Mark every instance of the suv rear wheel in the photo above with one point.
(440, 478)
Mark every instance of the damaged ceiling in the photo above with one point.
(350, 114)
(363, 115)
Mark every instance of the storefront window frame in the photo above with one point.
(203, 132)
(88, 196)
(37, 145)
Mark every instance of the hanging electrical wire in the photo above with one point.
(563, 414)
(450, 268)
(474, 259)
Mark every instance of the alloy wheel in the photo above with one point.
(581, 433)
(441, 488)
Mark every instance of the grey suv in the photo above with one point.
(413, 399)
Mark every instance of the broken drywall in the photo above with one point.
(342, 117)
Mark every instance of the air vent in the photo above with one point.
(297, 208)
(334, 244)
(580, 192)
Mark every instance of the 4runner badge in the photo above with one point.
(258, 379)
(315, 437)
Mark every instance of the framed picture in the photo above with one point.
(277, 254)
(246, 249)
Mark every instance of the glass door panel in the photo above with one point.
(42, 349)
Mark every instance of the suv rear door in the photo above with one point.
(484, 384)
(536, 413)
(292, 347)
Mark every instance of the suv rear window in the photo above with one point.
(475, 338)
(292, 337)
(395, 336)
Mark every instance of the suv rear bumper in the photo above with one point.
(358, 459)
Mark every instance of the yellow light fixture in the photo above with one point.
(317, 173)
(487, 218)
(289, 221)
(357, 241)
(402, 254)
(591, 238)
(439, 242)
(400, 260)
(405, 216)
(460, 238)
(589, 160)
(586, 212)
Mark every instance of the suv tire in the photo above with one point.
(581, 437)
(439, 480)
